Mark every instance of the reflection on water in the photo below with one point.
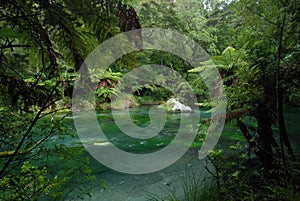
(292, 121)
(140, 117)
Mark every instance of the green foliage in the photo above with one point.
(31, 183)
(250, 183)
(107, 84)
(9, 33)
(42, 168)
(152, 95)
(109, 95)
(104, 94)
(42, 45)
(103, 184)
(254, 44)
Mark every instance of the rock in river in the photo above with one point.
(172, 105)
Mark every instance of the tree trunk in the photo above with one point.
(265, 137)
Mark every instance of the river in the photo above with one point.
(169, 181)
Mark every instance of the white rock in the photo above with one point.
(177, 106)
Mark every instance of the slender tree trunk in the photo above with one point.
(265, 137)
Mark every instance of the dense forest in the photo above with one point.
(254, 44)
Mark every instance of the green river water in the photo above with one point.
(140, 187)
